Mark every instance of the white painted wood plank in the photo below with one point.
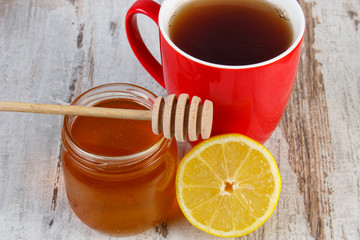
(338, 44)
(51, 51)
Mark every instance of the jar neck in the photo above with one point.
(116, 164)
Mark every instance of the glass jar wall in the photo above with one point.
(119, 176)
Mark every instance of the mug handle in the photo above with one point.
(150, 9)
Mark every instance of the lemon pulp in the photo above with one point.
(228, 185)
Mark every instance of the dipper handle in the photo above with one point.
(174, 117)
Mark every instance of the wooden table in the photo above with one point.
(51, 51)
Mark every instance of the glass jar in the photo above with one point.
(119, 176)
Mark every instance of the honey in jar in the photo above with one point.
(119, 176)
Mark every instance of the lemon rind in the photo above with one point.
(274, 198)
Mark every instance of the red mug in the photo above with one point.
(248, 99)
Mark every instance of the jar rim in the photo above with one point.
(132, 90)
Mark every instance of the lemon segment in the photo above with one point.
(228, 185)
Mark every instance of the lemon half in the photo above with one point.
(228, 185)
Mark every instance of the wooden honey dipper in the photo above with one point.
(174, 117)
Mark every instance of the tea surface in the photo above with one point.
(230, 32)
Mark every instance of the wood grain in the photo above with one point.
(51, 51)
(306, 128)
